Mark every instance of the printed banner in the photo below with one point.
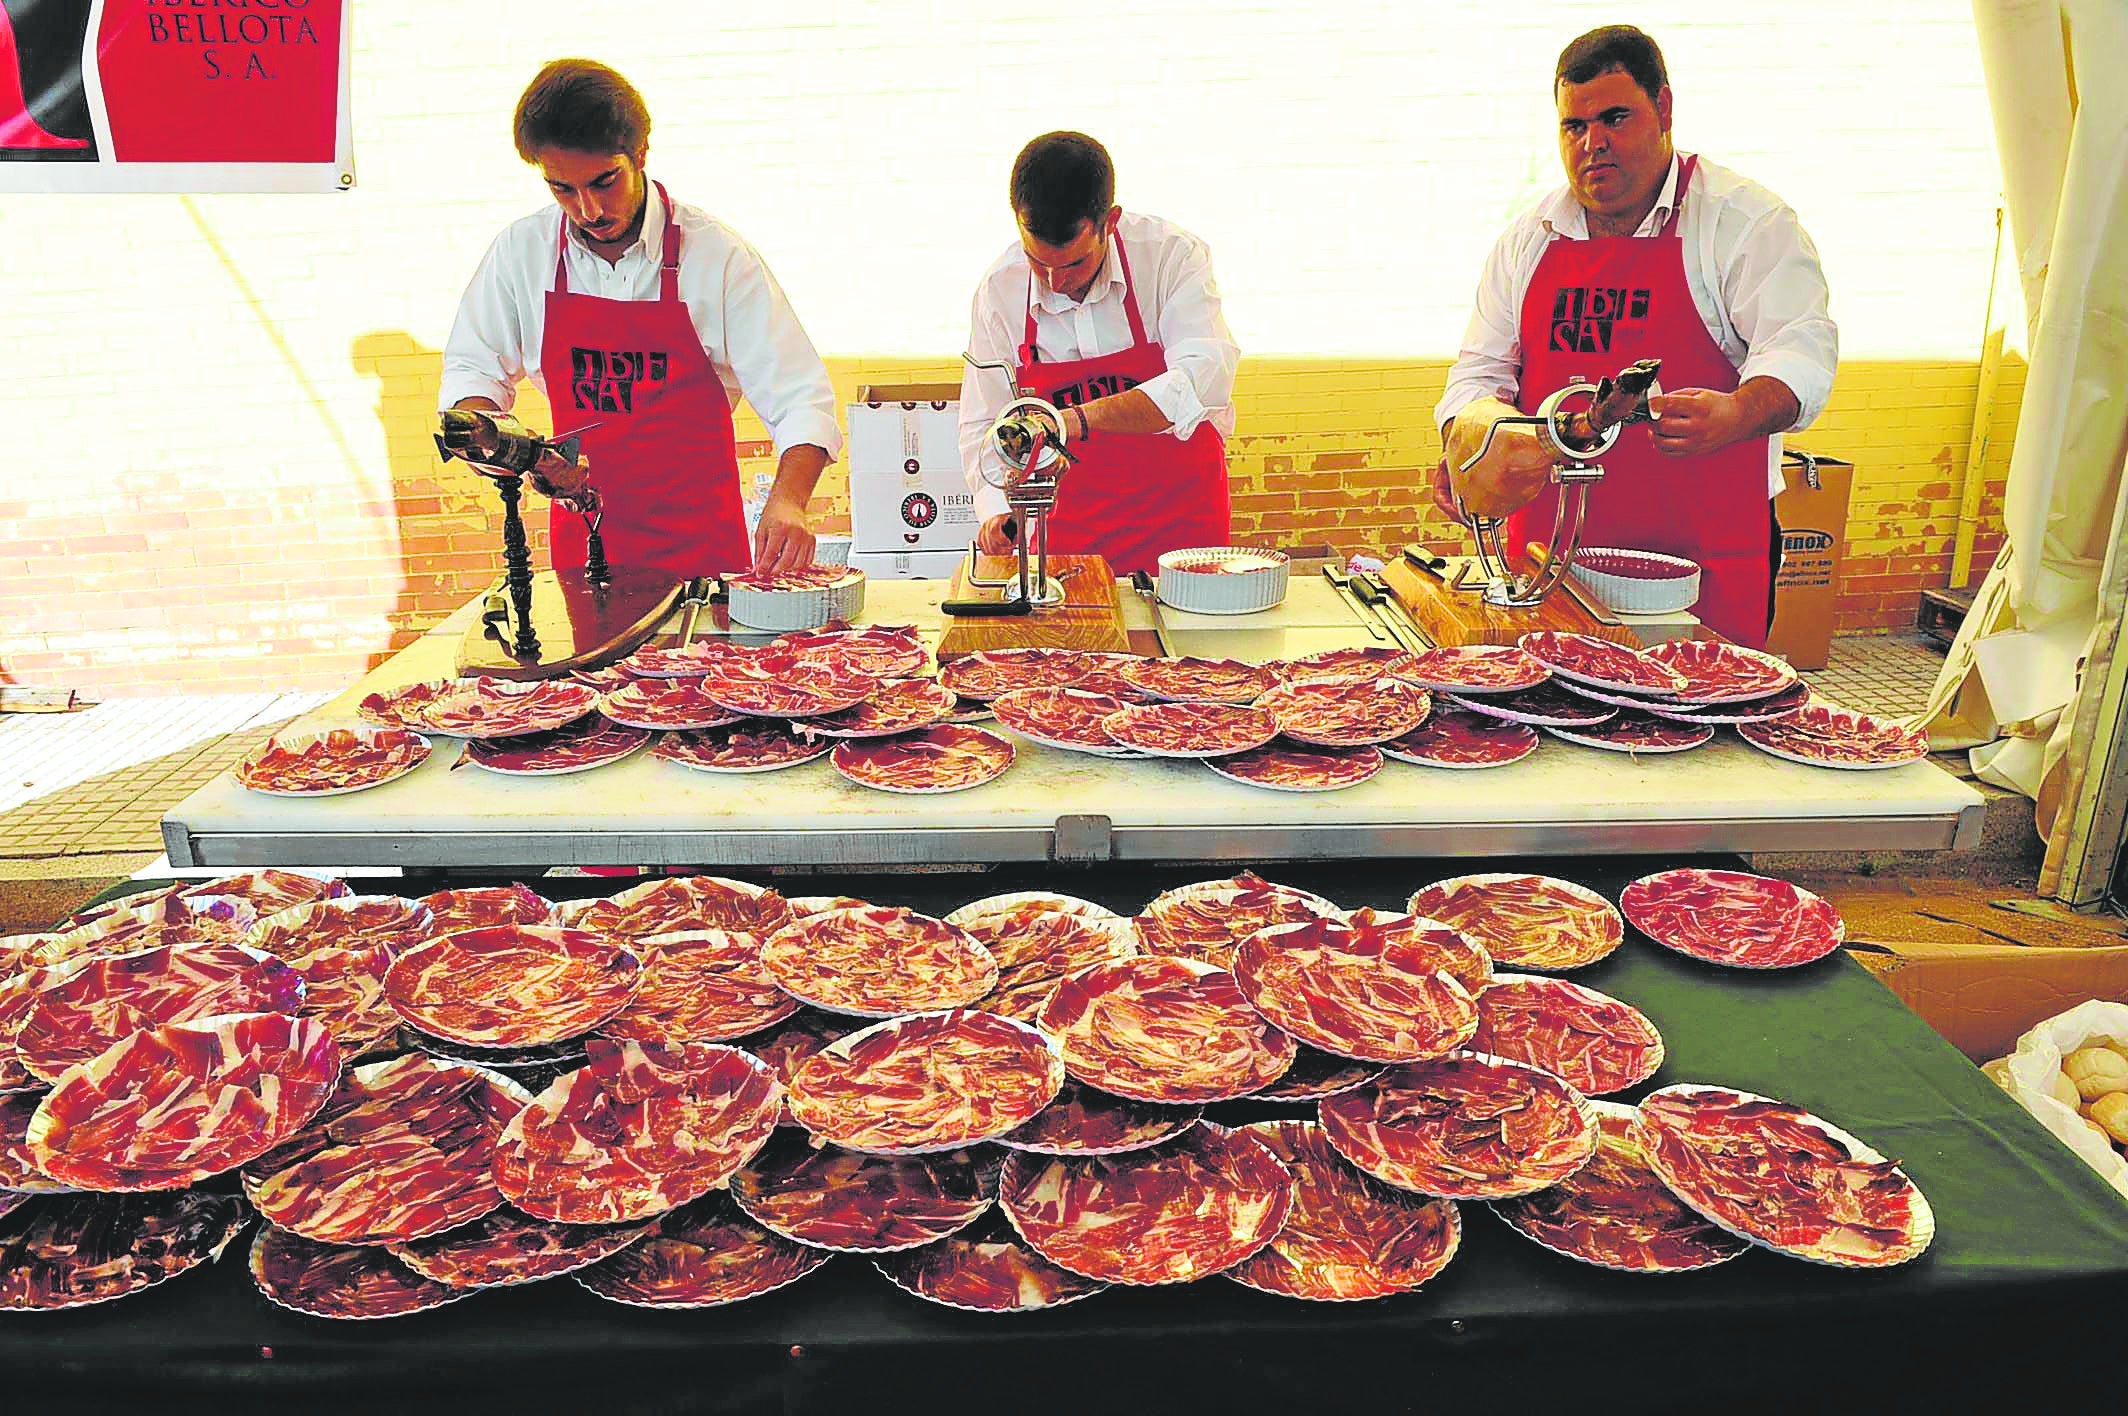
(174, 96)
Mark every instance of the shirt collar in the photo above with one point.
(1055, 302)
(650, 241)
(1571, 220)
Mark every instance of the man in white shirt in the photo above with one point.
(1115, 319)
(644, 320)
(1647, 253)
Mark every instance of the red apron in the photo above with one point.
(662, 456)
(1129, 497)
(1593, 307)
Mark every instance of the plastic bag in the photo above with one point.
(2032, 1068)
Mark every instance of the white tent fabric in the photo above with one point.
(2045, 620)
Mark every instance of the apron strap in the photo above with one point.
(1030, 355)
(1677, 202)
(668, 270)
(561, 255)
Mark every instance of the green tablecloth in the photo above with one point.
(2029, 1268)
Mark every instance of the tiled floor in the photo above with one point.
(1886, 674)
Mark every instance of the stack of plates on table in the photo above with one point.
(802, 599)
(1638, 582)
(1222, 580)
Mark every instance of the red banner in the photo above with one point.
(174, 95)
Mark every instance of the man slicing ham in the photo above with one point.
(1647, 253)
(1116, 320)
(644, 320)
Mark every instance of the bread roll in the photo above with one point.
(2097, 1072)
(2065, 1092)
(2111, 1112)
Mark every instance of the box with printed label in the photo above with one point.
(907, 495)
(1813, 516)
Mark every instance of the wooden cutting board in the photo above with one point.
(1458, 617)
(579, 626)
(1090, 617)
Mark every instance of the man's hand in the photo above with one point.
(558, 478)
(1691, 422)
(1444, 494)
(1516, 467)
(781, 540)
(998, 535)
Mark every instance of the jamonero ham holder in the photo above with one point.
(537, 625)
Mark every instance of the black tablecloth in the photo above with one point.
(2020, 1290)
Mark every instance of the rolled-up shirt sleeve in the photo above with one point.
(1201, 354)
(778, 369)
(484, 357)
(983, 395)
(1489, 364)
(1775, 295)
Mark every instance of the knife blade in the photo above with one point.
(1383, 601)
(1342, 583)
(1143, 583)
(1597, 610)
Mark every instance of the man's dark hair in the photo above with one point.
(1613, 47)
(583, 106)
(1060, 180)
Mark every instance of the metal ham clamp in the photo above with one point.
(1575, 437)
(1027, 442)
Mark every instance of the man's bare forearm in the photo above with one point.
(797, 473)
(1132, 411)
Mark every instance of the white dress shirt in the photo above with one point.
(1171, 274)
(747, 327)
(1752, 270)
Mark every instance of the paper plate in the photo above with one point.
(1208, 919)
(1336, 712)
(986, 674)
(331, 761)
(864, 1204)
(489, 707)
(672, 904)
(476, 908)
(1066, 718)
(878, 651)
(1718, 672)
(69, 1251)
(1037, 902)
(664, 704)
(18, 1168)
(1035, 948)
(1083, 1121)
(513, 985)
(1463, 741)
(1465, 1127)
(1641, 734)
(106, 998)
(931, 1082)
(688, 661)
(399, 707)
(1164, 1030)
(1545, 706)
(879, 962)
(1824, 735)
(1759, 710)
(162, 919)
(900, 706)
(1590, 1040)
(1294, 768)
(1733, 918)
(1197, 680)
(1348, 1237)
(706, 985)
(1370, 992)
(1526, 921)
(344, 922)
(703, 1255)
(1362, 661)
(771, 683)
(588, 742)
(986, 1269)
(945, 758)
(760, 745)
(1475, 668)
(504, 1248)
(339, 1280)
(1600, 663)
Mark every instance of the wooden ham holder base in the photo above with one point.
(1453, 618)
(579, 626)
(1090, 617)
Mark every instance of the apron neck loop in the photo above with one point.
(669, 259)
(1677, 198)
(1028, 353)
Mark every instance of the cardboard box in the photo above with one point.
(907, 494)
(1982, 997)
(908, 565)
(1813, 514)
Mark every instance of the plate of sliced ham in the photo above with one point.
(513, 985)
(109, 997)
(1198, 680)
(1474, 668)
(588, 742)
(1036, 946)
(160, 921)
(640, 1128)
(1283, 767)
(1182, 1211)
(1783, 1178)
(331, 761)
(1615, 1213)
(803, 577)
(1463, 740)
(878, 651)
(489, 708)
(948, 758)
(1826, 735)
(1372, 991)
(343, 922)
(1366, 661)
(1338, 712)
(986, 674)
(1347, 1237)
(1526, 921)
(665, 704)
(705, 1254)
(344, 989)
(771, 683)
(477, 907)
(1600, 663)
(898, 706)
(758, 745)
(986, 1269)
(672, 904)
(793, 1040)
(1734, 918)
(688, 661)
(404, 1149)
(825, 1198)
(504, 1248)
(70, 1251)
(344, 1281)
(1208, 919)
(1191, 729)
(400, 707)
(606, 680)
(936, 1081)
(1638, 733)
(1464, 1127)
(266, 891)
(1545, 706)
(879, 961)
(1718, 672)
(703, 985)
(1164, 1030)
(19, 1174)
(1083, 1121)
(1758, 710)
(167, 1107)
(1590, 1040)
(1070, 718)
